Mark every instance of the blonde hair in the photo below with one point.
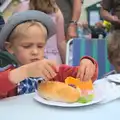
(20, 30)
(113, 46)
(46, 6)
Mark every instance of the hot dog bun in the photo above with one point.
(58, 91)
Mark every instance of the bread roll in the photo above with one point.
(58, 91)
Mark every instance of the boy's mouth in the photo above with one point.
(34, 60)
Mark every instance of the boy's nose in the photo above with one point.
(35, 51)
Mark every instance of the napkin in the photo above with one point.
(110, 90)
(114, 78)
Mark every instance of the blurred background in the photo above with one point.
(90, 9)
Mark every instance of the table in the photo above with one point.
(24, 107)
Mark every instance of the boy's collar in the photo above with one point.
(8, 59)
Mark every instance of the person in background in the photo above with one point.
(86, 30)
(98, 30)
(24, 36)
(113, 48)
(71, 10)
(22, 6)
(110, 11)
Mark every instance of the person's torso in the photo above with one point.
(115, 5)
(66, 9)
(65, 6)
(52, 42)
(51, 48)
(116, 8)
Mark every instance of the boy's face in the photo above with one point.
(116, 64)
(31, 47)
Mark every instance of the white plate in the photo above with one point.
(98, 98)
(114, 78)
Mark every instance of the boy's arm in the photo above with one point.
(66, 71)
(96, 67)
(5, 84)
(9, 77)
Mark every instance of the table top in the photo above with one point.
(24, 107)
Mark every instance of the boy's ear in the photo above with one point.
(8, 47)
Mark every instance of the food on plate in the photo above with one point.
(73, 90)
(58, 91)
(85, 85)
(85, 88)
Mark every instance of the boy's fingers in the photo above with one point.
(53, 64)
(88, 74)
(50, 70)
(81, 72)
(46, 74)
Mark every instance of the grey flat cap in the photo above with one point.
(22, 17)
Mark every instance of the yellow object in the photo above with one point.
(107, 25)
(83, 85)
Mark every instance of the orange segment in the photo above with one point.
(83, 85)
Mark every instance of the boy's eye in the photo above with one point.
(40, 46)
(27, 46)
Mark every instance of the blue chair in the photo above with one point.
(94, 48)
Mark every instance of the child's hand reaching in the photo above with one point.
(86, 70)
(44, 68)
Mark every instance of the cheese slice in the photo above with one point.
(83, 85)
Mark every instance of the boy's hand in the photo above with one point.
(86, 70)
(44, 68)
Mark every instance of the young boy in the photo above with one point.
(24, 37)
(114, 51)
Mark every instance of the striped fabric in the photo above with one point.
(95, 48)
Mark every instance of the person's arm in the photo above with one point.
(106, 15)
(9, 77)
(5, 84)
(76, 10)
(106, 8)
(67, 71)
(61, 43)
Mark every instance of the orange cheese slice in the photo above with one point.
(83, 85)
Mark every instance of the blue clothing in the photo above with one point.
(28, 85)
